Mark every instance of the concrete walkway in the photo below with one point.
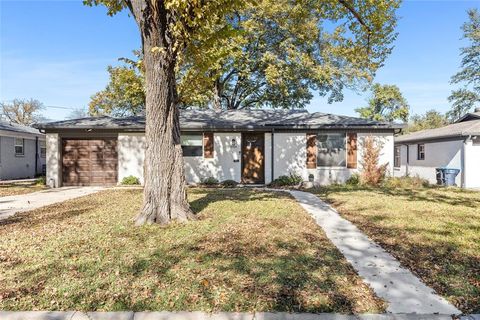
(25, 202)
(128, 315)
(404, 292)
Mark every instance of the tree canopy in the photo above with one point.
(270, 54)
(22, 111)
(386, 104)
(280, 51)
(124, 94)
(430, 120)
(467, 96)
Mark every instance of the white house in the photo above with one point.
(22, 151)
(454, 146)
(248, 146)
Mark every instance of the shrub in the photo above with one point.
(354, 180)
(372, 172)
(210, 181)
(41, 181)
(406, 182)
(291, 180)
(130, 181)
(229, 183)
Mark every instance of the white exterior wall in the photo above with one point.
(291, 156)
(131, 155)
(268, 157)
(19, 166)
(290, 152)
(225, 164)
(54, 167)
(437, 154)
(472, 163)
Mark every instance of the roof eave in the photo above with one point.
(439, 137)
(233, 128)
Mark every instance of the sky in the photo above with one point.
(58, 52)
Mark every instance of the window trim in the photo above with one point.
(421, 154)
(345, 149)
(397, 164)
(15, 145)
(200, 146)
(43, 149)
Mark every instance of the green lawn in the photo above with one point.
(435, 232)
(13, 189)
(249, 250)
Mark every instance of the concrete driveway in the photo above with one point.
(25, 202)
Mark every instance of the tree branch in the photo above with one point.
(359, 18)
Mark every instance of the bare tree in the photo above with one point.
(22, 111)
(77, 113)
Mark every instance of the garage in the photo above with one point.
(89, 162)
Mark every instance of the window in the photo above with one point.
(43, 149)
(421, 152)
(192, 145)
(396, 158)
(331, 150)
(19, 147)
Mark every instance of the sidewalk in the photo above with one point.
(128, 315)
(25, 202)
(403, 291)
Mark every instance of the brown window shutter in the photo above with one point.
(311, 151)
(208, 144)
(352, 150)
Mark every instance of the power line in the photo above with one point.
(52, 107)
(61, 107)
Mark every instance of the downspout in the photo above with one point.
(407, 166)
(36, 156)
(463, 161)
(272, 155)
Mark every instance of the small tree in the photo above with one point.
(22, 111)
(372, 172)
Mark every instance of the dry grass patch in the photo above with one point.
(13, 189)
(249, 250)
(435, 232)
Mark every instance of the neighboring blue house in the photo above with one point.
(22, 151)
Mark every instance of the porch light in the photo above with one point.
(234, 143)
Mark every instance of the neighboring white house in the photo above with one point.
(454, 146)
(22, 151)
(248, 146)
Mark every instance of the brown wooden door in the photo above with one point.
(89, 162)
(253, 159)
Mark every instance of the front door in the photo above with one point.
(253, 159)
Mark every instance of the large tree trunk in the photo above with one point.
(164, 193)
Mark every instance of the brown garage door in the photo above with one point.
(89, 162)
